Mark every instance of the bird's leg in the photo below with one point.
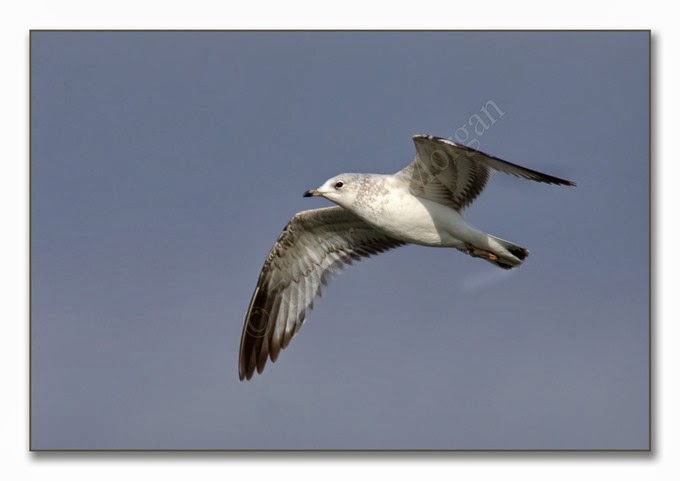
(476, 252)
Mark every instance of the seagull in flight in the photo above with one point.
(421, 204)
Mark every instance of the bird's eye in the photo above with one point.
(338, 185)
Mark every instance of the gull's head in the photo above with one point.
(341, 189)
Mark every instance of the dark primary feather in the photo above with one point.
(313, 246)
(455, 175)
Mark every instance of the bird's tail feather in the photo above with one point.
(518, 252)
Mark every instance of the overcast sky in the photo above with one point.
(164, 166)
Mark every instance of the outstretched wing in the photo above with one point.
(314, 245)
(454, 174)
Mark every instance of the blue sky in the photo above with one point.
(164, 166)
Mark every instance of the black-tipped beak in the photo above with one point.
(310, 193)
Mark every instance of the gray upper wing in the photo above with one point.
(313, 246)
(454, 174)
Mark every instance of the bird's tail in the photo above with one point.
(499, 252)
(502, 259)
